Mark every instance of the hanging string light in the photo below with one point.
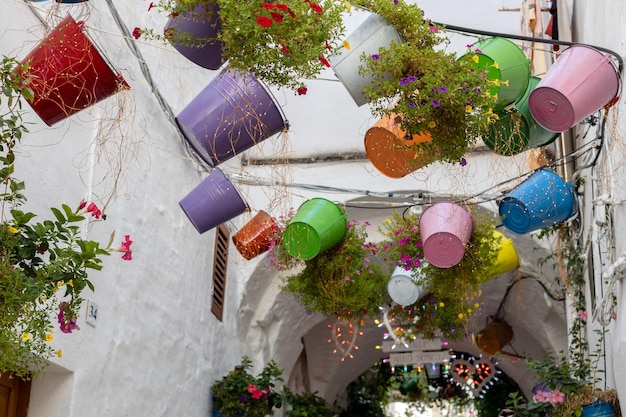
(344, 336)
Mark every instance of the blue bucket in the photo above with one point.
(598, 409)
(542, 200)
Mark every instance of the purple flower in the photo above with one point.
(412, 78)
(411, 104)
(405, 81)
(375, 57)
(242, 399)
(416, 262)
(479, 90)
(435, 103)
(403, 241)
(463, 162)
(434, 29)
(395, 2)
(478, 51)
(443, 89)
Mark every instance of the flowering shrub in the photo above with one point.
(446, 310)
(425, 89)
(240, 393)
(345, 281)
(43, 265)
(281, 43)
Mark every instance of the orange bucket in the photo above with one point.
(256, 236)
(389, 149)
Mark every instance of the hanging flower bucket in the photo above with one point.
(233, 113)
(203, 25)
(507, 258)
(496, 334)
(445, 228)
(506, 64)
(516, 130)
(214, 201)
(317, 226)
(371, 35)
(402, 287)
(581, 81)
(389, 149)
(599, 408)
(543, 200)
(67, 73)
(256, 236)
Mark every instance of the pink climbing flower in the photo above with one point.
(125, 248)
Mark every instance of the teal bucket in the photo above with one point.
(317, 226)
(516, 130)
(504, 61)
(543, 200)
(598, 409)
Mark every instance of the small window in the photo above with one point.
(220, 263)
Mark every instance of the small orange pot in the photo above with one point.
(255, 237)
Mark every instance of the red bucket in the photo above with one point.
(67, 73)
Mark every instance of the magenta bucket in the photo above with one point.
(580, 82)
(233, 113)
(201, 23)
(214, 201)
(445, 228)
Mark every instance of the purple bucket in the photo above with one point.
(445, 229)
(214, 201)
(201, 23)
(233, 113)
(580, 82)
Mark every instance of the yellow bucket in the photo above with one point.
(507, 259)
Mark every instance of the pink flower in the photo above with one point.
(541, 397)
(125, 248)
(302, 91)
(582, 315)
(82, 204)
(66, 324)
(614, 315)
(556, 397)
(137, 33)
(94, 210)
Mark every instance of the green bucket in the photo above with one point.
(504, 61)
(516, 130)
(317, 226)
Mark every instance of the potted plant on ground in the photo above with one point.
(240, 393)
(305, 405)
(568, 384)
(450, 302)
(423, 88)
(282, 43)
(43, 265)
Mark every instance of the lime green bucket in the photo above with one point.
(317, 226)
(516, 130)
(505, 63)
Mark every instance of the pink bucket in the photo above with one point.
(445, 229)
(580, 82)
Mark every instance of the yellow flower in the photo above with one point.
(476, 305)
(387, 221)
(70, 282)
(59, 283)
(25, 336)
(461, 315)
(12, 229)
(469, 311)
(505, 83)
(495, 97)
(346, 44)
(441, 304)
(432, 124)
(59, 353)
(495, 65)
(496, 83)
(48, 337)
(468, 109)
(475, 58)
(348, 6)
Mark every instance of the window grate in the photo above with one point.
(220, 263)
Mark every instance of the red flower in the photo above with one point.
(82, 204)
(173, 14)
(324, 61)
(268, 6)
(169, 33)
(282, 7)
(137, 33)
(301, 91)
(94, 210)
(291, 13)
(151, 6)
(128, 253)
(277, 17)
(284, 48)
(264, 21)
(327, 46)
(316, 7)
